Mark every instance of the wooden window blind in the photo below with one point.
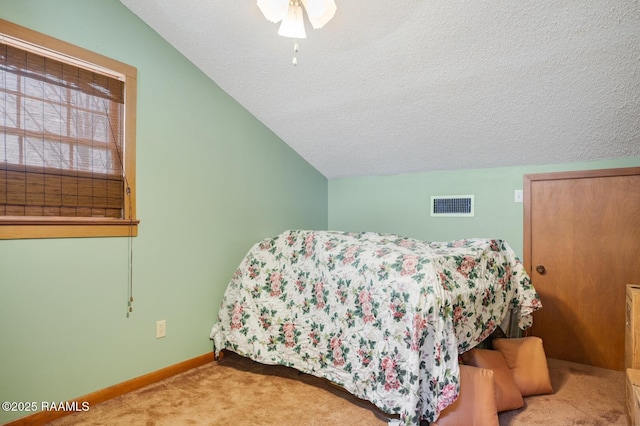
(61, 152)
(67, 140)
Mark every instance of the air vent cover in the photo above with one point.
(452, 205)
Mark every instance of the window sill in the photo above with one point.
(19, 227)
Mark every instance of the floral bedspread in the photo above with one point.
(381, 315)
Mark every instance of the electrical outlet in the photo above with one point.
(161, 328)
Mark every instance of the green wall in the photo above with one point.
(211, 181)
(400, 204)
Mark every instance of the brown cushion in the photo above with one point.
(476, 403)
(528, 363)
(508, 396)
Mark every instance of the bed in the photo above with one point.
(381, 315)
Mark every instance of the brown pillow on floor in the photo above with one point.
(528, 363)
(476, 403)
(508, 396)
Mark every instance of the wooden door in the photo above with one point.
(581, 248)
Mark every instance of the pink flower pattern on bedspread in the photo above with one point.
(382, 315)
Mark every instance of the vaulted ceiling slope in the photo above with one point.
(390, 87)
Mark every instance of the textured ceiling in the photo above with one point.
(391, 87)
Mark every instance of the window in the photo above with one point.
(67, 140)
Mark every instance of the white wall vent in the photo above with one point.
(452, 205)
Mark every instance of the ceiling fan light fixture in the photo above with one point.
(274, 10)
(319, 11)
(290, 13)
(293, 23)
(291, 16)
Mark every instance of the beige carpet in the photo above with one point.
(583, 395)
(237, 391)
